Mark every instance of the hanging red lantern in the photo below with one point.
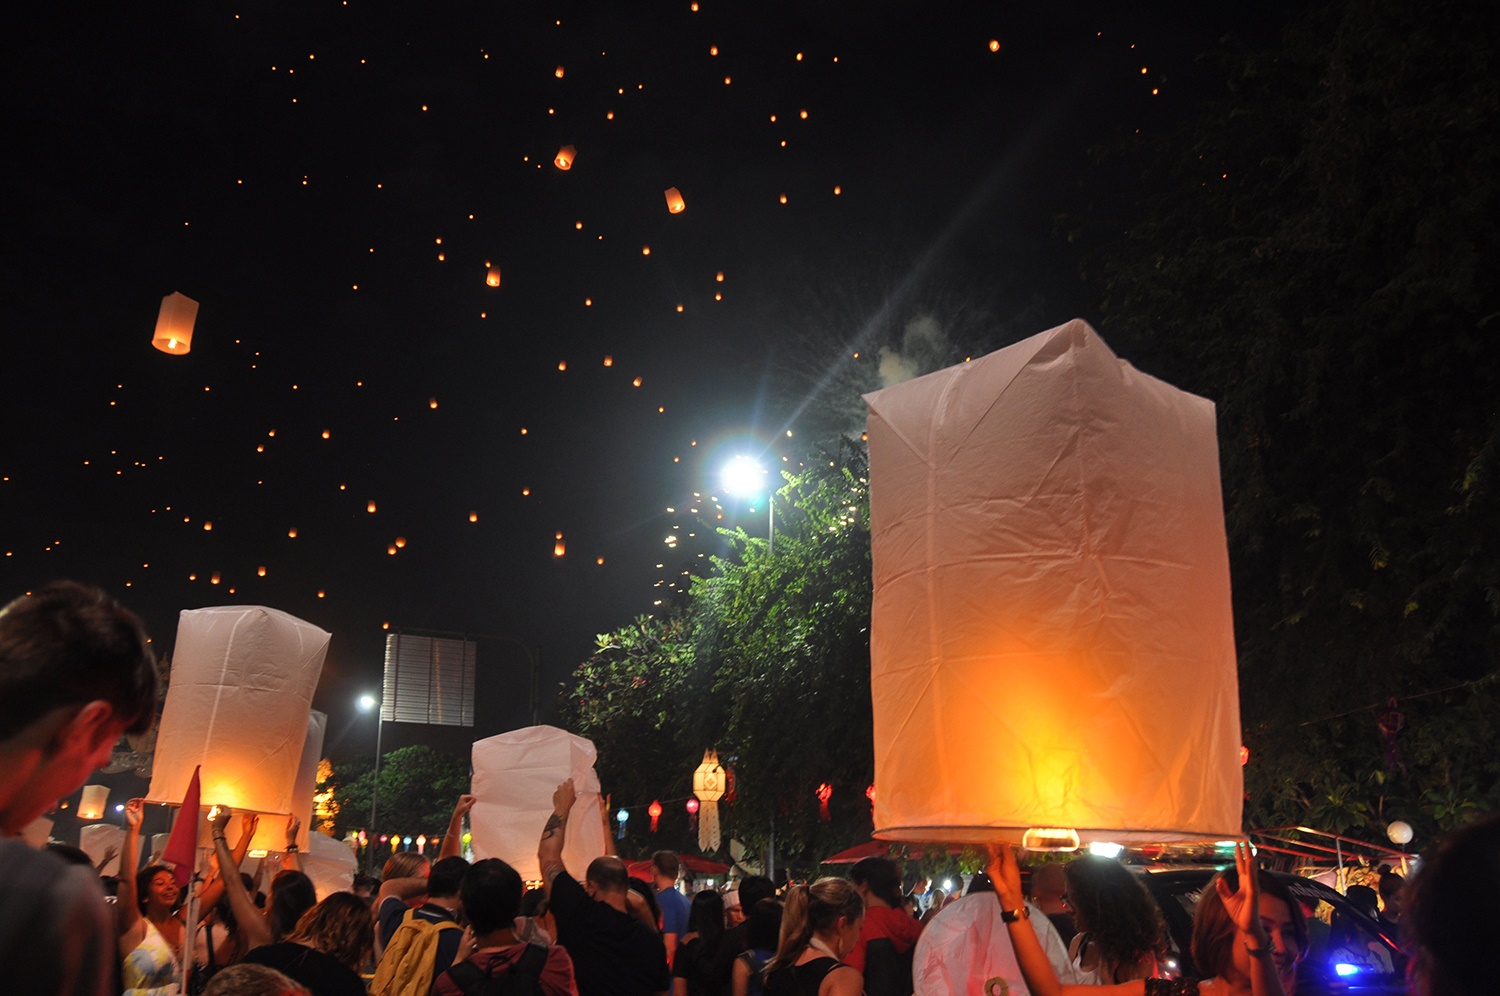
(730, 795)
(654, 810)
(1244, 755)
(692, 808)
(825, 792)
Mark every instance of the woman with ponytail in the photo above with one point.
(819, 926)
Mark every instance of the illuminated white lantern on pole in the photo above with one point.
(515, 775)
(306, 783)
(92, 802)
(174, 324)
(238, 702)
(708, 788)
(1052, 647)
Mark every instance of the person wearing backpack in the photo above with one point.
(426, 940)
(502, 964)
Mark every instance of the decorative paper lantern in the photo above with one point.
(693, 805)
(174, 324)
(825, 792)
(421, 842)
(515, 775)
(675, 203)
(1400, 832)
(565, 156)
(1050, 563)
(306, 783)
(91, 803)
(654, 811)
(238, 704)
(621, 817)
(708, 788)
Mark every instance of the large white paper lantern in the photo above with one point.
(238, 702)
(306, 783)
(91, 801)
(330, 864)
(96, 839)
(1051, 646)
(174, 324)
(515, 775)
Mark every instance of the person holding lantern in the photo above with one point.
(1248, 936)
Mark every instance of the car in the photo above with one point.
(1347, 954)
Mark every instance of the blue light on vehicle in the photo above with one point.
(1344, 969)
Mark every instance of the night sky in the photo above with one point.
(329, 180)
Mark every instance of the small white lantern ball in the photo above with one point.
(1399, 832)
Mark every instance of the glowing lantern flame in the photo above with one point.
(558, 548)
(91, 804)
(370, 507)
(492, 278)
(565, 157)
(174, 324)
(994, 44)
(675, 203)
(558, 72)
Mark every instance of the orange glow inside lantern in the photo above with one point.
(174, 324)
(708, 788)
(558, 548)
(91, 803)
(675, 203)
(492, 276)
(565, 157)
(1050, 839)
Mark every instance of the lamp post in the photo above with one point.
(368, 702)
(744, 476)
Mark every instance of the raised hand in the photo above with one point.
(249, 823)
(1243, 905)
(564, 797)
(464, 804)
(134, 809)
(293, 825)
(220, 816)
(1006, 874)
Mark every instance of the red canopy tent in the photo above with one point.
(689, 862)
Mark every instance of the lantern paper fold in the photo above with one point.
(514, 777)
(306, 783)
(1051, 638)
(241, 691)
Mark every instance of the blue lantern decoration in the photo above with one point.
(621, 817)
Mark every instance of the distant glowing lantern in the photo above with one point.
(421, 842)
(1048, 545)
(492, 276)
(558, 549)
(719, 276)
(260, 572)
(473, 516)
(558, 72)
(174, 324)
(994, 44)
(370, 507)
(708, 788)
(675, 203)
(609, 361)
(400, 541)
(239, 704)
(825, 792)
(693, 805)
(654, 811)
(91, 803)
(1399, 831)
(621, 817)
(565, 157)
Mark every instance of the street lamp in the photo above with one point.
(745, 477)
(368, 702)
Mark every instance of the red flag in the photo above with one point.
(182, 846)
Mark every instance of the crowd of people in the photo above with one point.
(77, 672)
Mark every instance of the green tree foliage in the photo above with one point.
(769, 662)
(418, 787)
(1316, 253)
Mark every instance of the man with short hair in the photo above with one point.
(674, 906)
(492, 900)
(444, 884)
(76, 672)
(614, 954)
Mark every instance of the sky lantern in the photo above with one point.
(492, 276)
(565, 157)
(514, 777)
(708, 789)
(174, 324)
(675, 203)
(1050, 560)
(370, 507)
(558, 547)
(91, 803)
(239, 703)
(558, 72)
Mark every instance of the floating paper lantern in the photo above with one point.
(96, 839)
(565, 156)
(1050, 561)
(675, 203)
(654, 811)
(708, 788)
(174, 324)
(515, 775)
(492, 276)
(558, 548)
(91, 803)
(241, 689)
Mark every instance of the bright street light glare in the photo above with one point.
(743, 476)
(367, 702)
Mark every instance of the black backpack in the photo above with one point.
(524, 979)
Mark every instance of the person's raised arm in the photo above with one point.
(213, 889)
(1243, 908)
(253, 926)
(110, 853)
(549, 849)
(1040, 976)
(453, 842)
(609, 834)
(291, 855)
(126, 902)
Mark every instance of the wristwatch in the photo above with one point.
(1011, 916)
